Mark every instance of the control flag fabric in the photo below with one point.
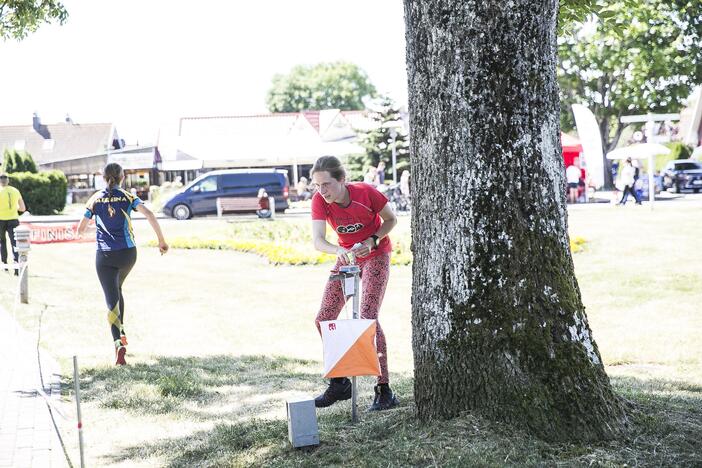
(349, 348)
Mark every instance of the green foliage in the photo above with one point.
(679, 150)
(18, 161)
(336, 85)
(43, 193)
(21, 17)
(631, 58)
(378, 143)
(275, 253)
(572, 12)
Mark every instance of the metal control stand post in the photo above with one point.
(351, 276)
(23, 241)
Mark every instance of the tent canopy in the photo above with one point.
(638, 151)
(570, 144)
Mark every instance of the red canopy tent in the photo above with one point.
(571, 148)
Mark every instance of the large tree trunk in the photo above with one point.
(498, 322)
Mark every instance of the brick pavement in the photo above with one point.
(27, 434)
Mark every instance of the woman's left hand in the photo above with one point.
(364, 248)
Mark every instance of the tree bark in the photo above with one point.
(499, 327)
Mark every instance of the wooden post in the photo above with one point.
(76, 384)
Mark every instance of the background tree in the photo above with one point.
(498, 323)
(378, 143)
(336, 85)
(21, 17)
(18, 161)
(632, 58)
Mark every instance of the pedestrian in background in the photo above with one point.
(11, 203)
(371, 176)
(381, 173)
(573, 178)
(628, 178)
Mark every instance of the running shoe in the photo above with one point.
(121, 352)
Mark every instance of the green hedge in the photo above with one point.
(18, 161)
(43, 193)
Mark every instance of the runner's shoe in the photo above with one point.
(384, 398)
(338, 389)
(121, 352)
(123, 340)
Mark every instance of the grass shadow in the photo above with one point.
(200, 388)
(255, 441)
(666, 430)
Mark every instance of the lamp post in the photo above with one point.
(393, 135)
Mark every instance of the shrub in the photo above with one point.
(43, 193)
(677, 151)
(276, 254)
(18, 161)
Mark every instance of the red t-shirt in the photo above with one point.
(358, 221)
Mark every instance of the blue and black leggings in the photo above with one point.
(112, 269)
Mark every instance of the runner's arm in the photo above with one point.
(162, 245)
(82, 225)
(389, 222)
(21, 205)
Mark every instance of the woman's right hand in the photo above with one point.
(342, 255)
(162, 247)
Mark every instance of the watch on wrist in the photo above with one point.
(375, 241)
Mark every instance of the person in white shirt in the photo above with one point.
(573, 178)
(628, 177)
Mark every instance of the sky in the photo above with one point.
(143, 64)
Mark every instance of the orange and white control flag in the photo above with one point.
(349, 348)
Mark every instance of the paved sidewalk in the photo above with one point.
(27, 434)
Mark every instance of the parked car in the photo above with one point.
(683, 174)
(200, 196)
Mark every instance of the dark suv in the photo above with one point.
(683, 174)
(200, 196)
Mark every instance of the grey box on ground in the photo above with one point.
(302, 423)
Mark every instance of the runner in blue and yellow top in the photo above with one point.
(116, 250)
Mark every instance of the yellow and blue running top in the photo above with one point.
(112, 209)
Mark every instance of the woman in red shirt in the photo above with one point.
(360, 216)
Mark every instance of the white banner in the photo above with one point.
(591, 140)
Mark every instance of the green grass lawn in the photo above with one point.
(220, 339)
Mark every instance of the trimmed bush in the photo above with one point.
(43, 193)
(677, 151)
(18, 161)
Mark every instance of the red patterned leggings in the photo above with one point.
(374, 279)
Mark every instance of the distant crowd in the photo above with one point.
(629, 180)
